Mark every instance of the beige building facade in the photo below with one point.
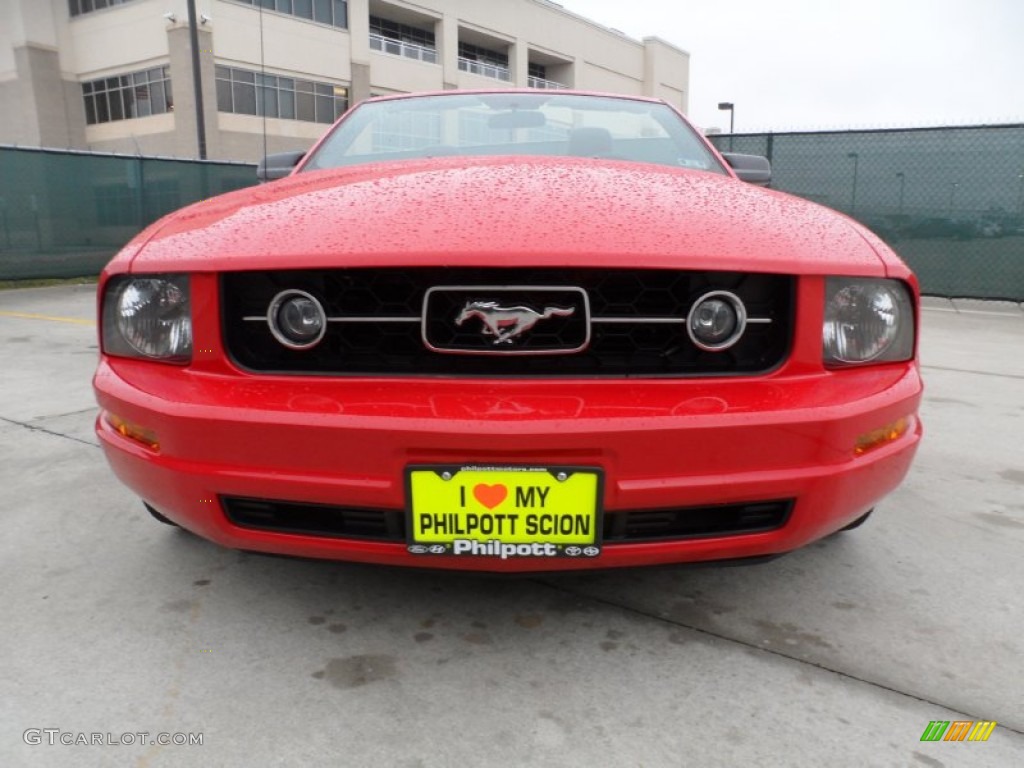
(117, 75)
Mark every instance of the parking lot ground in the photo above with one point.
(839, 654)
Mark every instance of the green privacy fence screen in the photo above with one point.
(65, 213)
(949, 200)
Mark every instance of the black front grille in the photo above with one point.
(378, 330)
(315, 519)
(695, 522)
(624, 527)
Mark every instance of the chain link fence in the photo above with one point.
(950, 201)
(65, 213)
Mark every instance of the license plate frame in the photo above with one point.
(572, 527)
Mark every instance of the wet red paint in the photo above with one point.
(502, 211)
(661, 443)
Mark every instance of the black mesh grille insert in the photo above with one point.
(387, 337)
(619, 527)
(693, 522)
(315, 519)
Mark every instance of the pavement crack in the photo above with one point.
(62, 415)
(976, 373)
(771, 651)
(44, 430)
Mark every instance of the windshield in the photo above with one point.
(490, 124)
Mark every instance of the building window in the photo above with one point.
(138, 94)
(483, 55)
(483, 61)
(333, 12)
(403, 32)
(244, 92)
(78, 7)
(537, 75)
(402, 40)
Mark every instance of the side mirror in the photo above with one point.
(277, 166)
(753, 169)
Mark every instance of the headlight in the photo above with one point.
(148, 317)
(867, 321)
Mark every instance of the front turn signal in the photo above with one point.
(139, 434)
(876, 438)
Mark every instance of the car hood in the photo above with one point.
(535, 211)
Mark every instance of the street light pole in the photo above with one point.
(728, 106)
(197, 79)
(853, 196)
(903, 178)
(952, 195)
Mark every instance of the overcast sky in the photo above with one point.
(821, 64)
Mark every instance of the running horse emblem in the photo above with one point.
(507, 323)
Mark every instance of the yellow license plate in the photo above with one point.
(504, 512)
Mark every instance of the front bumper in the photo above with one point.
(661, 444)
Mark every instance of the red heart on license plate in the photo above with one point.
(490, 495)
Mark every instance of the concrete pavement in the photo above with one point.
(839, 654)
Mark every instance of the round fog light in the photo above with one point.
(297, 319)
(716, 321)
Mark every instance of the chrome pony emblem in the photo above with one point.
(507, 323)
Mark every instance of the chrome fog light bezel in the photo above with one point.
(739, 309)
(274, 322)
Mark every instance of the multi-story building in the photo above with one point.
(117, 75)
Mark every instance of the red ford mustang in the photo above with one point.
(510, 331)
